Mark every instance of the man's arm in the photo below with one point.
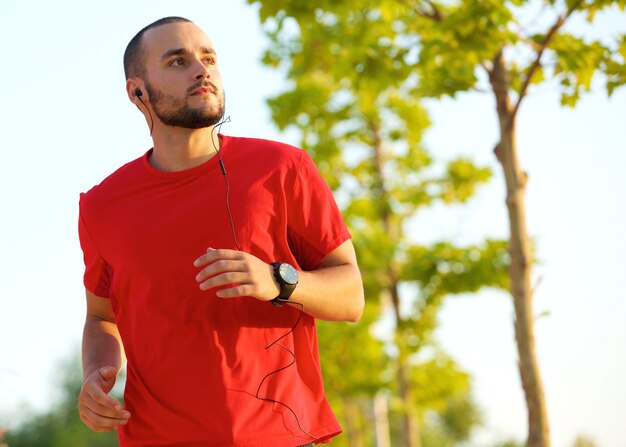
(332, 292)
(103, 357)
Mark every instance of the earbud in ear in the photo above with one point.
(138, 93)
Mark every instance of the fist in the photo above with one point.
(99, 411)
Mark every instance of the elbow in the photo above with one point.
(358, 303)
(356, 313)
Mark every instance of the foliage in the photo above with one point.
(444, 389)
(583, 441)
(511, 443)
(351, 97)
(357, 70)
(61, 426)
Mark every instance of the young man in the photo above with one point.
(208, 260)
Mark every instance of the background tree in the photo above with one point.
(350, 100)
(61, 426)
(456, 43)
(358, 68)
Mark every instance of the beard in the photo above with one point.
(174, 111)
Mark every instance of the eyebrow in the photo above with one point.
(185, 51)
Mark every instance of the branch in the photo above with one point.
(434, 13)
(542, 47)
(486, 68)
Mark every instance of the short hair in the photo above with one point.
(133, 56)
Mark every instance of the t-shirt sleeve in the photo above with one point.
(315, 226)
(98, 273)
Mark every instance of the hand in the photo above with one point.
(247, 274)
(99, 411)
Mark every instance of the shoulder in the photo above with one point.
(113, 184)
(259, 148)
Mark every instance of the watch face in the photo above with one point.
(288, 274)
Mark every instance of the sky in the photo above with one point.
(66, 123)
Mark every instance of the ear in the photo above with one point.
(132, 86)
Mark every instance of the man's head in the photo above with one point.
(173, 64)
(133, 56)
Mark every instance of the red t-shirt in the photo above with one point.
(195, 361)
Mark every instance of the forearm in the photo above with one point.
(331, 293)
(334, 291)
(102, 345)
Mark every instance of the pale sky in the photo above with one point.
(66, 123)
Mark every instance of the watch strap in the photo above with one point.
(286, 289)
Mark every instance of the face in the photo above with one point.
(182, 79)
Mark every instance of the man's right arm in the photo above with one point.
(103, 357)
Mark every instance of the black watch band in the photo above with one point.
(287, 277)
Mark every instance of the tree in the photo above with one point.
(481, 35)
(3, 432)
(356, 116)
(358, 69)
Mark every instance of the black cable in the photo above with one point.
(293, 361)
(218, 126)
(149, 112)
(217, 149)
(230, 216)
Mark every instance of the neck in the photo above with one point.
(177, 149)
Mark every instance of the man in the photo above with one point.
(208, 260)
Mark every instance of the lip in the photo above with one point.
(203, 91)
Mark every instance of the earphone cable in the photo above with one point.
(293, 361)
(218, 127)
(217, 149)
(149, 113)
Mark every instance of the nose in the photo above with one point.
(201, 70)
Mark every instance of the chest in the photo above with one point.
(160, 230)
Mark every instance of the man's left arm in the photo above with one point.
(334, 291)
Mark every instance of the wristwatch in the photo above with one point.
(287, 277)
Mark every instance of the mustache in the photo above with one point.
(202, 84)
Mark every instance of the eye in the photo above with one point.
(209, 60)
(177, 62)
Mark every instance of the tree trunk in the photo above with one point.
(381, 418)
(353, 421)
(410, 436)
(521, 260)
(410, 427)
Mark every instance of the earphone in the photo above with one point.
(217, 128)
(216, 146)
(139, 94)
